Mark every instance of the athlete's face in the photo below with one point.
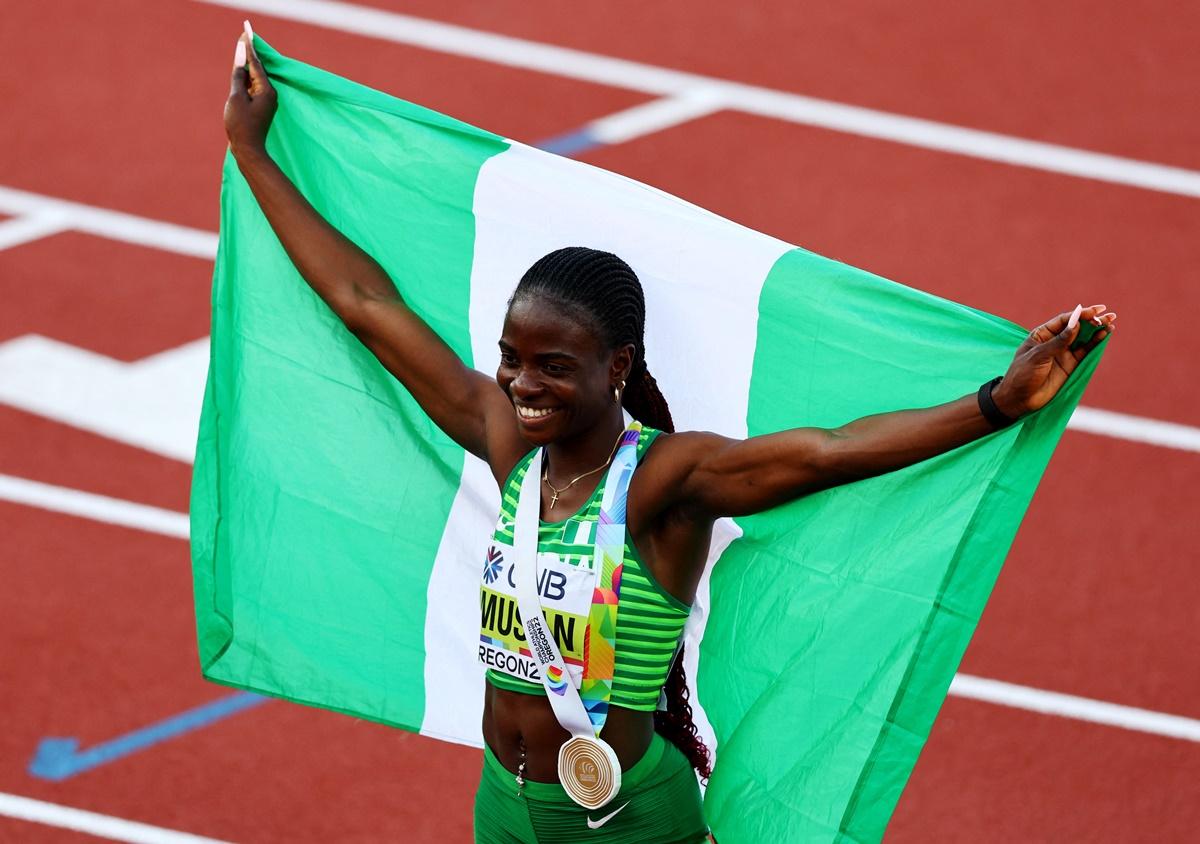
(556, 370)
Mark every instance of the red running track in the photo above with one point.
(118, 105)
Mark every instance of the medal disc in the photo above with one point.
(589, 771)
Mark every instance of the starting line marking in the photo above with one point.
(130, 514)
(94, 823)
(751, 99)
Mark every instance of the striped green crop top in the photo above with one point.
(649, 619)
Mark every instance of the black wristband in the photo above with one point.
(988, 407)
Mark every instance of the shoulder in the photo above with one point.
(669, 465)
(682, 450)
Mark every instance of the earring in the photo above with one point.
(617, 392)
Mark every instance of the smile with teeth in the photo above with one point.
(533, 412)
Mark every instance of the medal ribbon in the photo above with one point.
(582, 711)
(600, 640)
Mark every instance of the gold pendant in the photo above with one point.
(553, 497)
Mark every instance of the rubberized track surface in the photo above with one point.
(117, 105)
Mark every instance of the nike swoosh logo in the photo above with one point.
(597, 824)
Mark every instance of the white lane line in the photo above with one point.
(89, 505)
(1077, 708)
(117, 511)
(1136, 428)
(31, 227)
(753, 99)
(642, 119)
(656, 115)
(476, 44)
(974, 143)
(114, 225)
(152, 403)
(94, 823)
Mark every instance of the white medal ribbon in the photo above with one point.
(587, 766)
(564, 696)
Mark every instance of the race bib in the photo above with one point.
(565, 589)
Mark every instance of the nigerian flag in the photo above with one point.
(338, 536)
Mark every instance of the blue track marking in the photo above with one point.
(570, 143)
(57, 759)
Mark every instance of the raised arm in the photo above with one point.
(458, 399)
(716, 476)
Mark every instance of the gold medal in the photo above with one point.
(589, 771)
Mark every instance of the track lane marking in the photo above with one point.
(144, 517)
(114, 225)
(31, 227)
(152, 403)
(1078, 708)
(1140, 429)
(566, 62)
(94, 823)
(58, 758)
(642, 119)
(183, 367)
(90, 505)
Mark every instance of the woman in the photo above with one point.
(572, 361)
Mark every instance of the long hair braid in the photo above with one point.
(603, 289)
(645, 402)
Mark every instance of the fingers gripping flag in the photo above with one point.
(338, 537)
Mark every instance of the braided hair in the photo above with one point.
(603, 289)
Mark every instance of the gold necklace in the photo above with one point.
(556, 491)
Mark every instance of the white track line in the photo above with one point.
(975, 143)
(114, 225)
(186, 241)
(31, 227)
(753, 99)
(1136, 428)
(1078, 708)
(156, 520)
(654, 116)
(94, 823)
(152, 403)
(89, 505)
(477, 44)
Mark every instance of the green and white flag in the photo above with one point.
(338, 536)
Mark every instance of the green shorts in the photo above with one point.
(659, 801)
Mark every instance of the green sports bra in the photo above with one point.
(649, 619)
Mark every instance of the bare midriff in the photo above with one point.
(513, 721)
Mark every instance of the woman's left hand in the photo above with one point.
(1042, 363)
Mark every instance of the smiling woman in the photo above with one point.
(606, 513)
(571, 358)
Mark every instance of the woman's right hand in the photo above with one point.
(252, 100)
